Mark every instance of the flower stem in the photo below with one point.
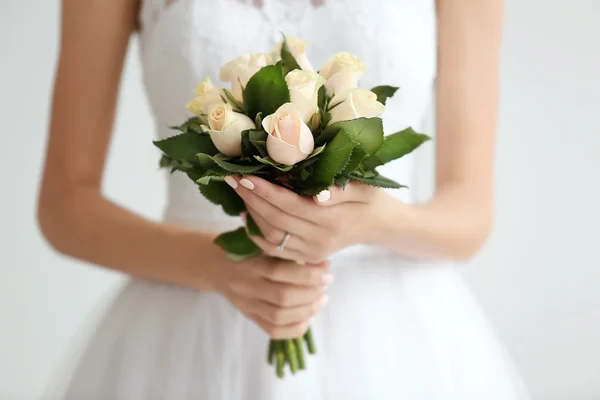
(300, 352)
(292, 358)
(280, 358)
(271, 353)
(310, 342)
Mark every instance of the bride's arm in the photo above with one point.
(74, 216)
(457, 221)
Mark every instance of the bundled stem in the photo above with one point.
(290, 352)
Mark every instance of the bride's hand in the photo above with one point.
(318, 227)
(280, 296)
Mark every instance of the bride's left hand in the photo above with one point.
(318, 226)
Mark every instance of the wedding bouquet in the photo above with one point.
(294, 127)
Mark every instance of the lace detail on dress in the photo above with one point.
(261, 3)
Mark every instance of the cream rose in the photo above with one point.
(342, 72)
(225, 129)
(207, 95)
(304, 91)
(297, 49)
(354, 103)
(240, 70)
(289, 140)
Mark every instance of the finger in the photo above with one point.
(270, 233)
(282, 198)
(280, 316)
(273, 250)
(276, 217)
(285, 295)
(282, 332)
(299, 274)
(353, 192)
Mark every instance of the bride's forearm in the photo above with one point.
(447, 227)
(87, 226)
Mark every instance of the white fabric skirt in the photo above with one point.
(392, 330)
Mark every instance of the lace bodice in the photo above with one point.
(186, 40)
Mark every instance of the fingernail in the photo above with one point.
(324, 300)
(323, 196)
(230, 180)
(243, 216)
(327, 279)
(247, 184)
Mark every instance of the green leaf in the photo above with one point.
(253, 229)
(193, 124)
(235, 104)
(271, 162)
(258, 121)
(316, 152)
(266, 91)
(366, 133)
(206, 179)
(220, 193)
(209, 161)
(168, 162)
(355, 159)
(237, 243)
(289, 62)
(331, 162)
(395, 146)
(384, 92)
(341, 181)
(378, 181)
(322, 97)
(304, 174)
(258, 138)
(185, 146)
(248, 149)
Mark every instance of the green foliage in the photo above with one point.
(289, 62)
(366, 133)
(269, 161)
(185, 146)
(384, 92)
(218, 160)
(377, 181)
(395, 146)
(220, 193)
(237, 244)
(331, 162)
(266, 91)
(253, 229)
(235, 104)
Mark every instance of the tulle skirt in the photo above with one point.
(392, 329)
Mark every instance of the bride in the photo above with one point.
(391, 317)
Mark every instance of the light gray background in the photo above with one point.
(538, 276)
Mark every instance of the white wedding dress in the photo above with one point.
(393, 329)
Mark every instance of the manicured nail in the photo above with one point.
(324, 300)
(327, 279)
(230, 180)
(323, 196)
(247, 184)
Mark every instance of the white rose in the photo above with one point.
(304, 91)
(225, 129)
(290, 140)
(354, 103)
(297, 48)
(342, 72)
(207, 95)
(240, 70)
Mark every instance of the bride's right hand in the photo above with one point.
(280, 296)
